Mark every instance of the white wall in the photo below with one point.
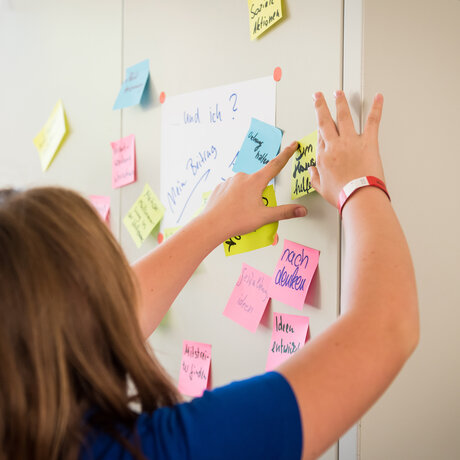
(412, 55)
(77, 50)
(68, 50)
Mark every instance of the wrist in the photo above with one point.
(357, 184)
(211, 228)
(366, 203)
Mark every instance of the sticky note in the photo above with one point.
(102, 206)
(249, 298)
(194, 368)
(133, 87)
(260, 238)
(304, 157)
(261, 144)
(167, 232)
(144, 215)
(204, 200)
(123, 161)
(262, 15)
(293, 274)
(288, 336)
(50, 138)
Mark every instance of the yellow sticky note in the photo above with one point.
(304, 157)
(144, 215)
(167, 232)
(204, 200)
(262, 15)
(50, 138)
(260, 238)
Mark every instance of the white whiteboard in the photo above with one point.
(202, 132)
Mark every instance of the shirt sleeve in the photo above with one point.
(257, 418)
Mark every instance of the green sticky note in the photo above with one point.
(260, 238)
(304, 157)
(144, 215)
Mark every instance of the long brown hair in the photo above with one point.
(69, 336)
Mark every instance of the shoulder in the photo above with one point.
(253, 418)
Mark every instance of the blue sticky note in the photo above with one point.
(133, 87)
(261, 144)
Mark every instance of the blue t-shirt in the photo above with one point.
(252, 419)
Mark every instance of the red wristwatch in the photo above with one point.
(356, 184)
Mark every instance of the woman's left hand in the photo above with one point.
(236, 206)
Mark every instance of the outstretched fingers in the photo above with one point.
(344, 121)
(285, 211)
(273, 167)
(373, 119)
(324, 119)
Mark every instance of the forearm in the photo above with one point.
(378, 282)
(162, 274)
(234, 208)
(342, 372)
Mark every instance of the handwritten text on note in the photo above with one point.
(288, 336)
(194, 368)
(261, 144)
(262, 15)
(200, 139)
(304, 157)
(260, 238)
(249, 298)
(133, 87)
(123, 161)
(50, 138)
(293, 274)
(144, 215)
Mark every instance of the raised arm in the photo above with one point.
(234, 208)
(341, 373)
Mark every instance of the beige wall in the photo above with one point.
(412, 55)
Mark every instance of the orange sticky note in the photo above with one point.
(194, 368)
(288, 336)
(123, 161)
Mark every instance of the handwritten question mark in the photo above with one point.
(234, 102)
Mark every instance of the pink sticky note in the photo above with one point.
(123, 161)
(102, 205)
(194, 368)
(288, 336)
(249, 298)
(293, 274)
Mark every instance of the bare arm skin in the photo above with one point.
(340, 374)
(234, 208)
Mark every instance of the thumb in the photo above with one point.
(315, 180)
(285, 211)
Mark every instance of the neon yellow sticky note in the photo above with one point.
(50, 138)
(304, 157)
(167, 232)
(262, 15)
(263, 236)
(144, 215)
(204, 200)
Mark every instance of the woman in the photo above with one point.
(77, 380)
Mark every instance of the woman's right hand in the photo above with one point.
(342, 154)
